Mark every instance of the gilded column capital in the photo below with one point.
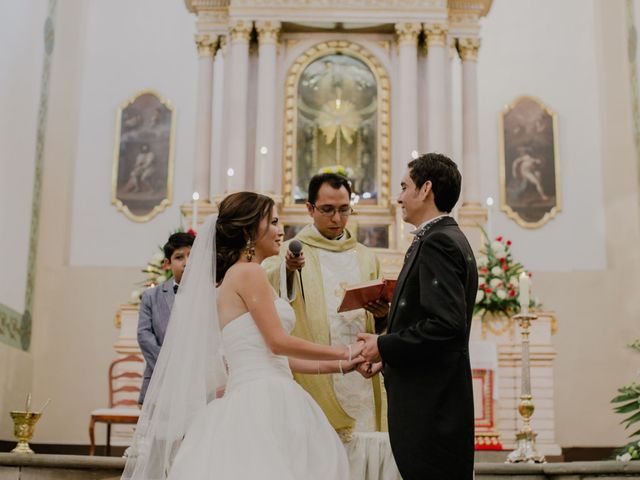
(268, 31)
(436, 34)
(407, 33)
(241, 30)
(468, 48)
(206, 44)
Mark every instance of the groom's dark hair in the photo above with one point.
(444, 176)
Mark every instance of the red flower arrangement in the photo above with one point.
(498, 286)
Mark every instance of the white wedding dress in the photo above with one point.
(266, 426)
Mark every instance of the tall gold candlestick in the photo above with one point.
(525, 451)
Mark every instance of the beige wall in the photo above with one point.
(598, 311)
(73, 328)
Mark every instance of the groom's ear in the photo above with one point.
(425, 189)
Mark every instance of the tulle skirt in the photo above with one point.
(268, 429)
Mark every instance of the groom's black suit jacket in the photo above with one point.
(426, 357)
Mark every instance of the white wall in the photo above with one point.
(89, 255)
(128, 47)
(546, 49)
(21, 59)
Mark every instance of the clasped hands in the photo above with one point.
(365, 357)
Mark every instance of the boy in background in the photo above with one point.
(156, 304)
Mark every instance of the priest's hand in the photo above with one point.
(368, 370)
(294, 263)
(370, 351)
(379, 308)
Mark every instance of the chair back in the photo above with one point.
(125, 381)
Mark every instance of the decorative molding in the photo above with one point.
(15, 328)
(224, 44)
(206, 44)
(407, 33)
(197, 6)
(436, 34)
(452, 47)
(385, 45)
(240, 30)
(268, 31)
(468, 48)
(11, 331)
(477, 8)
(384, 121)
(632, 46)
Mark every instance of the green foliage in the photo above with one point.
(627, 403)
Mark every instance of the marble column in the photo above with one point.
(266, 125)
(468, 48)
(472, 212)
(240, 32)
(438, 130)
(407, 134)
(207, 46)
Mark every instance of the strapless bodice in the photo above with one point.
(247, 354)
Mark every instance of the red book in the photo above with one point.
(358, 295)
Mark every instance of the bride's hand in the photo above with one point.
(348, 367)
(354, 350)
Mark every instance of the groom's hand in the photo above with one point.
(368, 370)
(370, 351)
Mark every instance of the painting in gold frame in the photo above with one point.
(530, 190)
(293, 178)
(142, 177)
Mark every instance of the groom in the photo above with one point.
(424, 355)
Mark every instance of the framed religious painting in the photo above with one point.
(337, 104)
(373, 236)
(142, 178)
(529, 162)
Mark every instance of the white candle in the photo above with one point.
(525, 289)
(490, 218)
(194, 215)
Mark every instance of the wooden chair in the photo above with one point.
(124, 388)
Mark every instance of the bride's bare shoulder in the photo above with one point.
(246, 272)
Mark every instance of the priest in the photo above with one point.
(315, 279)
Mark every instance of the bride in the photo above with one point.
(235, 338)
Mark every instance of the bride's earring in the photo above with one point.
(250, 250)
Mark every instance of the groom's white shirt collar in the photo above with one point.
(424, 224)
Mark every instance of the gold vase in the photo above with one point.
(23, 426)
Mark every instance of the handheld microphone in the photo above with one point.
(295, 247)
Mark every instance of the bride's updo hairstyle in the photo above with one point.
(239, 218)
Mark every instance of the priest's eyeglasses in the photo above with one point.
(329, 211)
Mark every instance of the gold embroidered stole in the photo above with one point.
(311, 316)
